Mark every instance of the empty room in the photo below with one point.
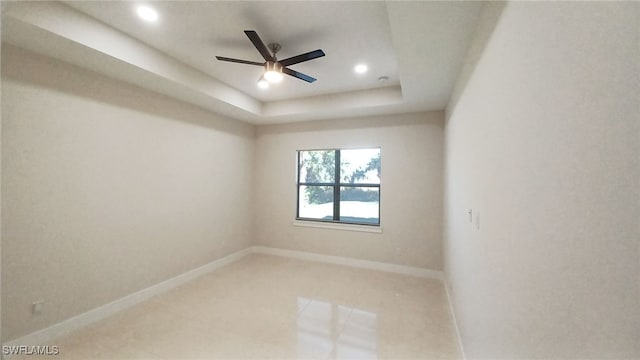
(320, 180)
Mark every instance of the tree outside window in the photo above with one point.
(339, 185)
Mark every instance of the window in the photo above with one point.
(339, 185)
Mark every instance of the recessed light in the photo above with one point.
(147, 13)
(383, 78)
(361, 68)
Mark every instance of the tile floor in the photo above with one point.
(267, 307)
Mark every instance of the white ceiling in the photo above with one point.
(419, 46)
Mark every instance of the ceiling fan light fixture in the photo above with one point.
(262, 83)
(273, 76)
(273, 72)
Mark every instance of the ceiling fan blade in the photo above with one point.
(302, 57)
(298, 75)
(222, 58)
(257, 42)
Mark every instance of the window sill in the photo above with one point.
(334, 226)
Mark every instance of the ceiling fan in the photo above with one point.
(274, 68)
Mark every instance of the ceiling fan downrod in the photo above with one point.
(274, 47)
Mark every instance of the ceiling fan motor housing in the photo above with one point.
(272, 66)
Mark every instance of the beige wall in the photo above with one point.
(108, 189)
(411, 187)
(544, 143)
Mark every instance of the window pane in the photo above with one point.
(360, 166)
(360, 205)
(317, 166)
(316, 202)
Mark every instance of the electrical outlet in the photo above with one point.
(37, 307)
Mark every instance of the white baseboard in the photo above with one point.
(364, 264)
(45, 335)
(50, 333)
(455, 321)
